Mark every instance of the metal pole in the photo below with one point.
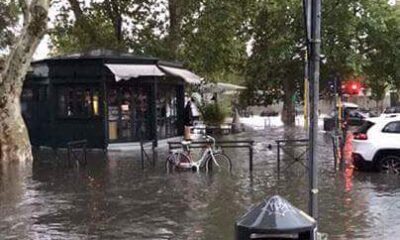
(154, 111)
(279, 159)
(307, 70)
(314, 98)
(306, 94)
(141, 146)
(335, 148)
(251, 158)
(335, 102)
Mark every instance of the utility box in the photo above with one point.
(329, 124)
(275, 218)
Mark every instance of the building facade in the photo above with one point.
(104, 98)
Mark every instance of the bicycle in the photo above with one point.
(182, 159)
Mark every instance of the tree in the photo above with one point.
(207, 36)
(106, 24)
(8, 19)
(359, 38)
(274, 68)
(382, 48)
(214, 42)
(14, 139)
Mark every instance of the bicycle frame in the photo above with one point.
(199, 163)
(209, 151)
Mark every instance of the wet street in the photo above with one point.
(115, 199)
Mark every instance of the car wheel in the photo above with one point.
(390, 164)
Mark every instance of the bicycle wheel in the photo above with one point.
(220, 163)
(177, 161)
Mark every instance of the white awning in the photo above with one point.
(128, 71)
(187, 75)
(230, 86)
(225, 88)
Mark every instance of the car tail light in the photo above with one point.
(360, 136)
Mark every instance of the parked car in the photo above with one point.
(391, 111)
(376, 145)
(352, 115)
(269, 113)
(355, 117)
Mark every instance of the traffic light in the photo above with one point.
(334, 84)
(351, 88)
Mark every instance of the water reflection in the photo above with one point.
(112, 198)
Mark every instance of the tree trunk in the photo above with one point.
(175, 18)
(76, 8)
(14, 139)
(288, 111)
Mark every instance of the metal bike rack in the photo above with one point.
(143, 153)
(77, 152)
(221, 144)
(337, 149)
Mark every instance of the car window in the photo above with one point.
(392, 110)
(388, 110)
(355, 114)
(364, 127)
(393, 127)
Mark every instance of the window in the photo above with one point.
(393, 127)
(167, 112)
(392, 110)
(364, 127)
(78, 102)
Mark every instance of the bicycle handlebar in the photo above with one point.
(208, 137)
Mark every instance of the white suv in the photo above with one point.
(376, 144)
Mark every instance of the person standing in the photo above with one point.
(188, 119)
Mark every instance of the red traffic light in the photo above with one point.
(351, 88)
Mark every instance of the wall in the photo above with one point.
(326, 105)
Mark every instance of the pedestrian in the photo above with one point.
(195, 110)
(188, 119)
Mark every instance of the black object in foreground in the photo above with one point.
(275, 218)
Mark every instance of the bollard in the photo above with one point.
(275, 218)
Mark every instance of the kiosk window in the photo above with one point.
(78, 102)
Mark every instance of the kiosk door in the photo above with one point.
(128, 119)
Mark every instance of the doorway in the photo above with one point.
(128, 112)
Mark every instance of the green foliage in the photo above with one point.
(359, 38)
(208, 36)
(214, 113)
(105, 24)
(81, 37)
(275, 66)
(214, 43)
(9, 11)
(383, 48)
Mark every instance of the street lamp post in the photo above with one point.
(313, 26)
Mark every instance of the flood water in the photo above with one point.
(113, 198)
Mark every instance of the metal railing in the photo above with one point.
(77, 152)
(282, 146)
